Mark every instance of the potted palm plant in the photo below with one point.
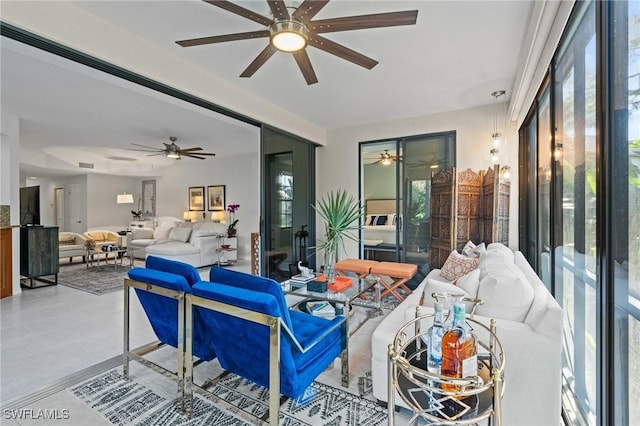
(341, 213)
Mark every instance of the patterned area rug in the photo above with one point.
(94, 280)
(135, 402)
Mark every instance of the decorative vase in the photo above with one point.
(231, 232)
(329, 270)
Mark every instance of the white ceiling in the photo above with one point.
(453, 58)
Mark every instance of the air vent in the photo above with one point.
(85, 165)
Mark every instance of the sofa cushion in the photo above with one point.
(469, 282)
(172, 248)
(141, 233)
(66, 240)
(97, 236)
(506, 293)
(145, 242)
(175, 267)
(180, 234)
(210, 229)
(457, 265)
(252, 282)
(472, 250)
(162, 232)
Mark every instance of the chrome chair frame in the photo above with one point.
(275, 325)
(138, 355)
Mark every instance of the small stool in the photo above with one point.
(400, 273)
(359, 266)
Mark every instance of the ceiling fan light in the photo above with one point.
(289, 36)
(386, 161)
(175, 155)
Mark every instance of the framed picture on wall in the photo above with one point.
(215, 198)
(196, 198)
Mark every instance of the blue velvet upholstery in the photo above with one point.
(180, 268)
(252, 282)
(162, 311)
(243, 346)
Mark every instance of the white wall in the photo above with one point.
(102, 191)
(241, 177)
(9, 184)
(337, 161)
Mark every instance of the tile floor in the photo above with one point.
(51, 332)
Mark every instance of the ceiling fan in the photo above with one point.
(294, 32)
(386, 158)
(173, 151)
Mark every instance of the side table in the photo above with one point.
(227, 250)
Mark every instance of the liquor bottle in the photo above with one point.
(435, 333)
(459, 351)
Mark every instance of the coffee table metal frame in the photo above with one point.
(346, 298)
(118, 254)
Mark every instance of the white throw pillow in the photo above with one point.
(470, 282)
(162, 232)
(506, 293)
(472, 250)
(180, 234)
(457, 265)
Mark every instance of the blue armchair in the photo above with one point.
(161, 288)
(264, 332)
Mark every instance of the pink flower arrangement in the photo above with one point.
(232, 209)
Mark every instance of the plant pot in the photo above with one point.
(231, 233)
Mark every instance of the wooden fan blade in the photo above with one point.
(376, 20)
(145, 150)
(191, 149)
(259, 61)
(341, 51)
(302, 59)
(308, 9)
(145, 146)
(279, 9)
(193, 156)
(189, 154)
(222, 38)
(239, 10)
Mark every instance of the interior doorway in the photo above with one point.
(395, 186)
(59, 208)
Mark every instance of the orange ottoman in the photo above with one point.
(399, 273)
(359, 266)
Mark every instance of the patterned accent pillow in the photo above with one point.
(458, 265)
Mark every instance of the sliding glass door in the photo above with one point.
(590, 176)
(395, 186)
(288, 222)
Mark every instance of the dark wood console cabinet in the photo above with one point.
(39, 253)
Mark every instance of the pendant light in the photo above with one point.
(496, 136)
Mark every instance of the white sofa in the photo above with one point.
(529, 325)
(138, 239)
(192, 243)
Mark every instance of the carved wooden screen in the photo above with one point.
(442, 189)
(495, 207)
(468, 204)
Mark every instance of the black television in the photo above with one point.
(30, 205)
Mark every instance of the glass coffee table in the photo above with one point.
(343, 302)
(94, 256)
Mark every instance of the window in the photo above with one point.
(284, 184)
(587, 207)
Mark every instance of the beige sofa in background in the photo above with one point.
(71, 245)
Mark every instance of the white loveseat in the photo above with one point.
(192, 243)
(529, 325)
